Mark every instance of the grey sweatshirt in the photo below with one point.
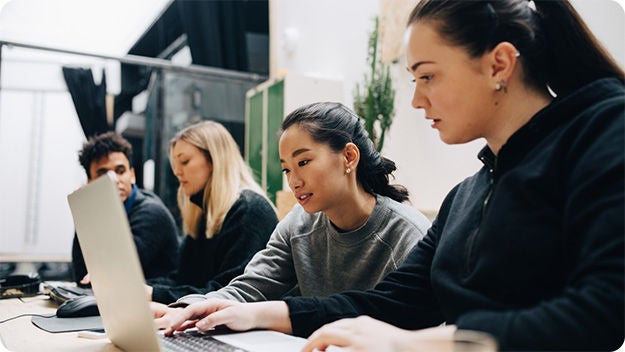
(307, 256)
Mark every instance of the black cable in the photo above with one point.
(27, 315)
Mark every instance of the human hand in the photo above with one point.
(148, 291)
(208, 314)
(85, 280)
(159, 309)
(357, 334)
(162, 314)
(367, 334)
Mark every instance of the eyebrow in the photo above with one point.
(104, 170)
(417, 64)
(297, 152)
(179, 154)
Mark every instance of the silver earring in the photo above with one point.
(347, 171)
(502, 85)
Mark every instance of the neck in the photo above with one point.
(353, 211)
(517, 107)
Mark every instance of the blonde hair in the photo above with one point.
(230, 172)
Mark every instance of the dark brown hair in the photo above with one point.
(557, 48)
(336, 125)
(102, 145)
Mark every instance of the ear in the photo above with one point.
(132, 175)
(503, 61)
(351, 154)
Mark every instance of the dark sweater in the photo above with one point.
(530, 249)
(154, 232)
(209, 264)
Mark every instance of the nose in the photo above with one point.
(419, 101)
(177, 171)
(294, 181)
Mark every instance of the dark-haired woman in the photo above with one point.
(350, 227)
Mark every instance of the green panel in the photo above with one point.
(275, 114)
(254, 133)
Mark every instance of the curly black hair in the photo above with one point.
(102, 145)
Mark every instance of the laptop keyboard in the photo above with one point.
(195, 341)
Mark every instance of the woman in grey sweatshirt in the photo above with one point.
(349, 228)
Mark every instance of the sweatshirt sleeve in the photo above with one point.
(245, 231)
(152, 228)
(78, 262)
(403, 298)
(269, 275)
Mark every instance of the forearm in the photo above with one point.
(272, 315)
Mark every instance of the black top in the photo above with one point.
(530, 249)
(155, 234)
(208, 264)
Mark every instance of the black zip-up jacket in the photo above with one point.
(529, 249)
(154, 232)
(207, 265)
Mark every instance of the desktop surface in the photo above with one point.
(21, 335)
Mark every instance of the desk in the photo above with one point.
(21, 335)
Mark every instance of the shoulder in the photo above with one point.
(403, 213)
(147, 202)
(252, 205)
(252, 201)
(147, 198)
(298, 221)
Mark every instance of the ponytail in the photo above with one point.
(336, 125)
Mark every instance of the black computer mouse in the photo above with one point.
(83, 306)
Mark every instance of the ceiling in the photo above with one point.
(103, 27)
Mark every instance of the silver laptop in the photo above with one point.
(118, 284)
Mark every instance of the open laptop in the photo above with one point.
(118, 283)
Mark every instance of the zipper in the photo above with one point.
(477, 230)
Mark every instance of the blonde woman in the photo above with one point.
(226, 215)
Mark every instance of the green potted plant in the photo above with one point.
(375, 102)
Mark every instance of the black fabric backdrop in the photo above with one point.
(89, 99)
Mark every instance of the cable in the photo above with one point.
(27, 315)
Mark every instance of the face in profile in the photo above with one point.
(120, 165)
(191, 167)
(315, 173)
(453, 89)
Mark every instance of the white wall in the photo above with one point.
(331, 41)
(40, 136)
(40, 133)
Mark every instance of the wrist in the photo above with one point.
(272, 315)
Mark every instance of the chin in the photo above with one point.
(448, 139)
(309, 209)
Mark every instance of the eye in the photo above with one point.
(426, 78)
(285, 171)
(303, 162)
(120, 170)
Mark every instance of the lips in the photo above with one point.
(435, 122)
(303, 198)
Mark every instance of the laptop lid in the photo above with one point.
(113, 264)
(117, 279)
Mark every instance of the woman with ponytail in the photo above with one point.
(350, 226)
(530, 249)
